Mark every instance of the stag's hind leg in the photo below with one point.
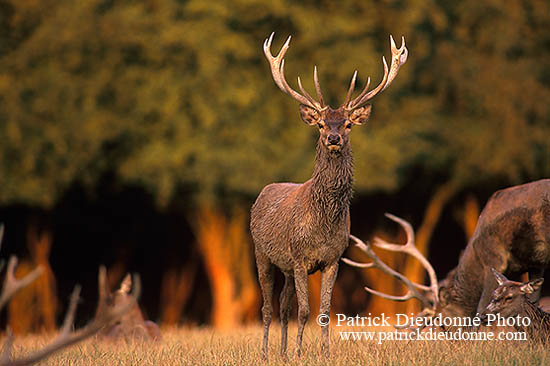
(300, 279)
(285, 302)
(328, 277)
(265, 276)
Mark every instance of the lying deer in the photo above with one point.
(67, 335)
(132, 324)
(304, 228)
(512, 235)
(511, 299)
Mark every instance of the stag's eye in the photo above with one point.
(320, 125)
(348, 125)
(508, 298)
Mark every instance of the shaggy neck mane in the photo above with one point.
(332, 182)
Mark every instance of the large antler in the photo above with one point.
(415, 290)
(277, 64)
(399, 57)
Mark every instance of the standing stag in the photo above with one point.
(512, 235)
(511, 299)
(303, 228)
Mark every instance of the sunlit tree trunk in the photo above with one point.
(34, 308)
(226, 250)
(471, 215)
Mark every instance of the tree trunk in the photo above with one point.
(34, 308)
(471, 215)
(226, 250)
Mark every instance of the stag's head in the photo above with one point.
(334, 124)
(508, 297)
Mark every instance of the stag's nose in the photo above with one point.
(333, 139)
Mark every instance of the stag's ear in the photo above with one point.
(531, 286)
(309, 115)
(499, 276)
(360, 115)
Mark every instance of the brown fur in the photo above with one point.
(512, 236)
(511, 299)
(132, 324)
(303, 228)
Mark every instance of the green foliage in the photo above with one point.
(177, 95)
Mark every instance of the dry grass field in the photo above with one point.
(205, 346)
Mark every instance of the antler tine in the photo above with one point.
(305, 93)
(275, 61)
(12, 285)
(377, 263)
(351, 88)
(363, 99)
(277, 64)
(410, 248)
(352, 104)
(318, 87)
(399, 57)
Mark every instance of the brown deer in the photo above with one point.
(303, 228)
(130, 325)
(512, 235)
(67, 336)
(511, 299)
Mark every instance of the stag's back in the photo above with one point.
(516, 221)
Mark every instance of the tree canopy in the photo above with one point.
(176, 96)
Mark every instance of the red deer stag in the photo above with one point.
(67, 336)
(303, 228)
(511, 299)
(130, 325)
(512, 235)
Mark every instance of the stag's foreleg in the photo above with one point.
(285, 302)
(328, 277)
(265, 276)
(300, 280)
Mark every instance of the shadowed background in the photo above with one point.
(138, 134)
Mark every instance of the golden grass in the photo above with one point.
(206, 346)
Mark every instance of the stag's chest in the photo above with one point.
(316, 244)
